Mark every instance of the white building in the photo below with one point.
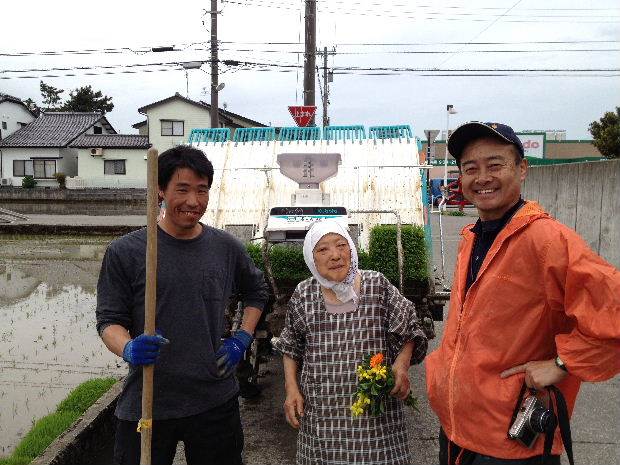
(14, 115)
(170, 121)
(42, 147)
(109, 161)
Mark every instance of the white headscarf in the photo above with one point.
(344, 290)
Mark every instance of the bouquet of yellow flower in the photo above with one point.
(376, 380)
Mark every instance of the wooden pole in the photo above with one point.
(146, 423)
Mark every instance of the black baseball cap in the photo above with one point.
(468, 132)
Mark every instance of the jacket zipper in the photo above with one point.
(458, 330)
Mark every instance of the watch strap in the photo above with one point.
(560, 364)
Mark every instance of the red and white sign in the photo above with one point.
(533, 144)
(302, 114)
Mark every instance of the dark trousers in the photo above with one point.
(449, 452)
(214, 437)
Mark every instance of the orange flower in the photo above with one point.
(376, 360)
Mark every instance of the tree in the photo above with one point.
(606, 134)
(32, 106)
(51, 96)
(84, 99)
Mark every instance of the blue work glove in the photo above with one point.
(231, 352)
(143, 350)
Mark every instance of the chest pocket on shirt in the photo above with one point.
(212, 286)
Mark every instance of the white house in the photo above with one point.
(14, 115)
(42, 147)
(170, 121)
(110, 160)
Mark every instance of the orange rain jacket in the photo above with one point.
(540, 292)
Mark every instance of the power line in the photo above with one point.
(342, 44)
(426, 52)
(399, 44)
(483, 31)
(78, 68)
(90, 74)
(280, 66)
(460, 7)
(439, 16)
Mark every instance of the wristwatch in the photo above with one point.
(560, 364)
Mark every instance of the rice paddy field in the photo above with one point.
(48, 341)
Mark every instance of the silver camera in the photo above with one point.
(532, 419)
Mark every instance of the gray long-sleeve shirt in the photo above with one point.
(195, 279)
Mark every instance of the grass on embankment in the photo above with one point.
(51, 426)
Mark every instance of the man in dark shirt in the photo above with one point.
(195, 390)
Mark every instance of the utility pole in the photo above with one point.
(310, 55)
(215, 121)
(327, 78)
(326, 90)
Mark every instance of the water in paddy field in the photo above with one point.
(48, 340)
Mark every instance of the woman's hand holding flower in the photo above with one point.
(401, 380)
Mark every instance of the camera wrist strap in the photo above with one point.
(558, 404)
(517, 406)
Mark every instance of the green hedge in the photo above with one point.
(383, 256)
(287, 261)
(51, 426)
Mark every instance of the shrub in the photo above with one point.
(62, 180)
(29, 182)
(384, 257)
(287, 261)
(288, 265)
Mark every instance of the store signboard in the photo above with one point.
(533, 144)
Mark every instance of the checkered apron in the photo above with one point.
(330, 347)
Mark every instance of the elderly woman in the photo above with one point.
(334, 319)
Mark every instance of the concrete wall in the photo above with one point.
(571, 149)
(585, 197)
(88, 439)
(92, 202)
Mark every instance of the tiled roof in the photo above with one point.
(54, 129)
(224, 114)
(140, 124)
(10, 98)
(112, 141)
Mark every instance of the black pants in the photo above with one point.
(472, 458)
(214, 437)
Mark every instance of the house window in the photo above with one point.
(114, 167)
(40, 169)
(21, 125)
(4, 125)
(97, 130)
(172, 128)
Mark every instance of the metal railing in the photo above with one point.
(209, 135)
(254, 135)
(401, 131)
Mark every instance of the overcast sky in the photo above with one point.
(513, 35)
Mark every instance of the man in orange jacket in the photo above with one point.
(531, 304)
